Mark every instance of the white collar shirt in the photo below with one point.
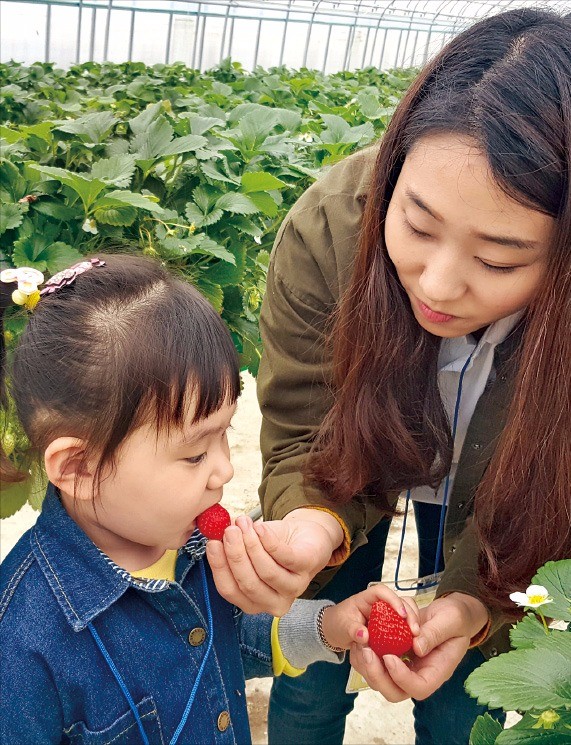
(453, 356)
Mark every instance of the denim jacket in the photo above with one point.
(56, 684)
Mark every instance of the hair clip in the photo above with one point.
(28, 280)
(67, 276)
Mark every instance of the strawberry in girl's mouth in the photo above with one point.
(213, 522)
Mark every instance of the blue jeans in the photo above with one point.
(311, 709)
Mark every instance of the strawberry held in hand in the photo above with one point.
(213, 522)
(389, 633)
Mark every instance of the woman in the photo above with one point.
(415, 333)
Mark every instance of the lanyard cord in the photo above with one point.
(201, 670)
(444, 499)
(192, 696)
(119, 680)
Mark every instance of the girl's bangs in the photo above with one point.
(193, 372)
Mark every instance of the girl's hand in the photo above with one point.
(346, 623)
(447, 626)
(264, 566)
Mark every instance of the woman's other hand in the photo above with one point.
(264, 566)
(447, 626)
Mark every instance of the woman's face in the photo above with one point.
(466, 254)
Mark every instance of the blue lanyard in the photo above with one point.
(444, 500)
(124, 688)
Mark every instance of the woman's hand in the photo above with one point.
(447, 626)
(264, 566)
(346, 622)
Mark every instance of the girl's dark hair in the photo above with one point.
(506, 84)
(125, 344)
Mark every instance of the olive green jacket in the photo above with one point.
(309, 269)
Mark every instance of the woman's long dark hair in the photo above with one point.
(506, 84)
(125, 344)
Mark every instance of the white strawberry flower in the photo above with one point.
(533, 597)
(90, 226)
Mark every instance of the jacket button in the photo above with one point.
(223, 721)
(493, 652)
(197, 636)
(452, 549)
(461, 505)
(476, 446)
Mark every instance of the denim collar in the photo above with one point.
(84, 580)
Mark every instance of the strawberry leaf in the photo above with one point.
(538, 678)
(527, 632)
(485, 730)
(237, 203)
(260, 181)
(555, 576)
(116, 215)
(11, 216)
(117, 170)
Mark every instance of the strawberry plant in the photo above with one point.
(535, 677)
(196, 169)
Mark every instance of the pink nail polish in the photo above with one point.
(360, 634)
(403, 612)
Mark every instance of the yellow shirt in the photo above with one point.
(164, 568)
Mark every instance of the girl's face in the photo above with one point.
(466, 254)
(149, 503)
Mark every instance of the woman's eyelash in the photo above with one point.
(493, 268)
(416, 232)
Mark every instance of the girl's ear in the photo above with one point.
(67, 468)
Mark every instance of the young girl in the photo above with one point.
(416, 340)
(112, 630)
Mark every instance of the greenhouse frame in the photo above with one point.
(320, 34)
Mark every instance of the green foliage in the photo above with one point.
(32, 491)
(485, 731)
(527, 632)
(196, 169)
(556, 577)
(535, 677)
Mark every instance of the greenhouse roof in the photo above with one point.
(323, 34)
(422, 12)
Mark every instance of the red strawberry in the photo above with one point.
(389, 633)
(213, 522)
